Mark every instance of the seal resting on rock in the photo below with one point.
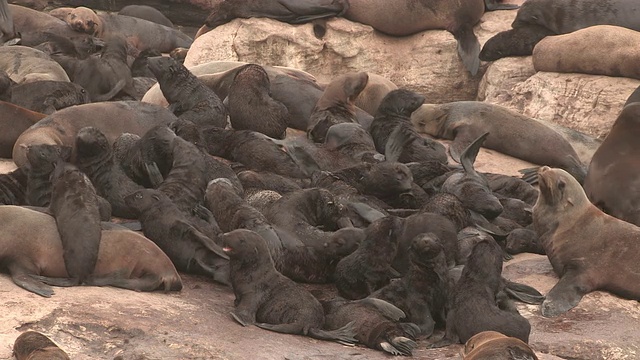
(268, 299)
(496, 346)
(32, 345)
(588, 249)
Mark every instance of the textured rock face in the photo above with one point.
(587, 103)
(426, 62)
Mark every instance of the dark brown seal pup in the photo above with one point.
(514, 42)
(406, 17)
(423, 291)
(614, 167)
(190, 99)
(32, 345)
(395, 110)
(74, 204)
(251, 106)
(477, 289)
(42, 159)
(496, 346)
(268, 299)
(20, 119)
(13, 187)
(166, 225)
(290, 11)
(126, 259)
(147, 13)
(376, 324)
(369, 267)
(336, 105)
(48, 96)
(588, 249)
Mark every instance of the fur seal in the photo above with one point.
(613, 167)
(15, 120)
(7, 29)
(112, 118)
(126, 259)
(32, 345)
(166, 225)
(251, 106)
(514, 42)
(477, 289)
(190, 99)
(408, 17)
(13, 187)
(369, 267)
(465, 121)
(147, 13)
(377, 88)
(42, 159)
(74, 204)
(48, 96)
(29, 21)
(268, 299)
(496, 346)
(588, 249)
(289, 11)
(395, 111)
(336, 105)
(24, 64)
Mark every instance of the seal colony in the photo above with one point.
(413, 243)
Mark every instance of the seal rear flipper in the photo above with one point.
(480, 222)
(23, 278)
(385, 308)
(388, 348)
(404, 345)
(565, 295)
(524, 293)
(149, 282)
(400, 139)
(194, 235)
(291, 328)
(464, 137)
(305, 11)
(468, 47)
(366, 212)
(344, 335)
(113, 92)
(303, 159)
(530, 175)
(54, 281)
(469, 154)
(154, 174)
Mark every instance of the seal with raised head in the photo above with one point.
(336, 105)
(251, 106)
(268, 299)
(126, 259)
(614, 166)
(188, 97)
(588, 249)
(290, 11)
(496, 346)
(32, 345)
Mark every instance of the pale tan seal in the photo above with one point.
(616, 54)
(588, 249)
(24, 64)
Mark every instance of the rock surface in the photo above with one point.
(426, 62)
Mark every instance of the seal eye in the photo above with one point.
(561, 185)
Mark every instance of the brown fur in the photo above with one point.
(32, 345)
(496, 346)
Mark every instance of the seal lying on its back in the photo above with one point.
(588, 249)
(268, 299)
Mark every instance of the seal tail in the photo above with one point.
(524, 293)
(113, 92)
(468, 48)
(344, 335)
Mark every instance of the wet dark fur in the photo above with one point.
(188, 97)
(395, 110)
(74, 204)
(13, 187)
(251, 106)
(41, 162)
(514, 42)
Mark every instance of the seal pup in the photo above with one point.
(74, 204)
(478, 288)
(496, 346)
(268, 299)
(395, 110)
(369, 267)
(613, 167)
(336, 105)
(514, 42)
(146, 13)
(588, 249)
(423, 291)
(126, 259)
(251, 106)
(289, 11)
(48, 96)
(42, 159)
(187, 247)
(32, 345)
(190, 99)
(406, 17)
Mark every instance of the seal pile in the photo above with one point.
(260, 178)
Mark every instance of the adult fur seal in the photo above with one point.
(113, 119)
(125, 259)
(588, 249)
(613, 167)
(251, 106)
(465, 121)
(147, 13)
(290, 11)
(496, 346)
(32, 345)
(48, 96)
(24, 64)
(406, 17)
(190, 99)
(74, 204)
(268, 299)
(336, 105)
(7, 29)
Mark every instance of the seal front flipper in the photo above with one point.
(524, 293)
(464, 137)
(154, 174)
(23, 278)
(565, 295)
(54, 281)
(400, 139)
(492, 5)
(148, 282)
(344, 335)
(366, 212)
(385, 308)
(468, 47)
(196, 236)
(530, 175)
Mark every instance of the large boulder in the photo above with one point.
(426, 62)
